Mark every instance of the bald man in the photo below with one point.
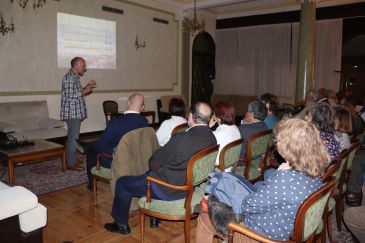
(73, 106)
(113, 133)
(168, 164)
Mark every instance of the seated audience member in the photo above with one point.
(272, 104)
(178, 113)
(355, 219)
(114, 131)
(342, 127)
(322, 95)
(357, 122)
(340, 98)
(332, 98)
(226, 131)
(355, 183)
(270, 209)
(168, 164)
(321, 116)
(252, 122)
(310, 101)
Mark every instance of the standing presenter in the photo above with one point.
(73, 107)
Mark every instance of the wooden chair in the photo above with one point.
(329, 173)
(359, 137)
(257, 150)
(152, 114)
(131, 158)
(230, 154)
(336, 202)
(179, 128)
(199, 166)
(309, 217)
(110, 108)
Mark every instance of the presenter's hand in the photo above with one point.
(92, 83)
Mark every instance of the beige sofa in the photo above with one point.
(29, 120)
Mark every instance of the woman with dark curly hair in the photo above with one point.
(322, 117)
(272, 104)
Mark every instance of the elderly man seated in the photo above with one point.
(168, 164)
(115, 130)
(253, 122)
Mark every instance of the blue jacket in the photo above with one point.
(115, 130)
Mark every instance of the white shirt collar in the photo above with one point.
(196, 125)
(133, 112)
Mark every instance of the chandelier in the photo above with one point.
(192, 25)
(36, 3)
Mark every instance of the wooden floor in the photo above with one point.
(73, 218)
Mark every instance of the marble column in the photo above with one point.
(306, 49)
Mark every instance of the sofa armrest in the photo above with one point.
(33, 219)
(50, 123)
(16, 200)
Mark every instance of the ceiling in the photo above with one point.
(236, 8)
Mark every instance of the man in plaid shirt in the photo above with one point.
(73, 107)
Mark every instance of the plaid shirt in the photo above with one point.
(73, 104)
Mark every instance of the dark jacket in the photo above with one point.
(169, 163)
(115, 130)
(247, 130)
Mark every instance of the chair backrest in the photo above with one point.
(200, 165)
(132, 153)
(358, 137)
(352, 150)
(230, 154)
(308, 218)
(179, 128)
(330, 171)
(110, 107)
(256, 151)
(310, 213)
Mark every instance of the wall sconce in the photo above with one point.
(139, 44)
(4, 28)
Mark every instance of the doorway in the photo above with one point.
(203, 68)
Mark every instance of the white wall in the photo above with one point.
(29, 55)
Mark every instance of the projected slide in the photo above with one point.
(90, 38)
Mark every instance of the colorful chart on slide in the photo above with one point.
(90, 38)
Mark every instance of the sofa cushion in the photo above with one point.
(50, 123)
(34, 110)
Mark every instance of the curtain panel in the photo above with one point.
(259, 59)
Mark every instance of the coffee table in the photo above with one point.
(40, 151)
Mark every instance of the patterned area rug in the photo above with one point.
(45, 177)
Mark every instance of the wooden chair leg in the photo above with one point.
(141, 214)
(329, 228)
(187, 230)
(94, 190)
(338, 214)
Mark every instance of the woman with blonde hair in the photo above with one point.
(270, 210)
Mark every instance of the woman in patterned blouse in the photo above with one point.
(271, 209)
(322, 117)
